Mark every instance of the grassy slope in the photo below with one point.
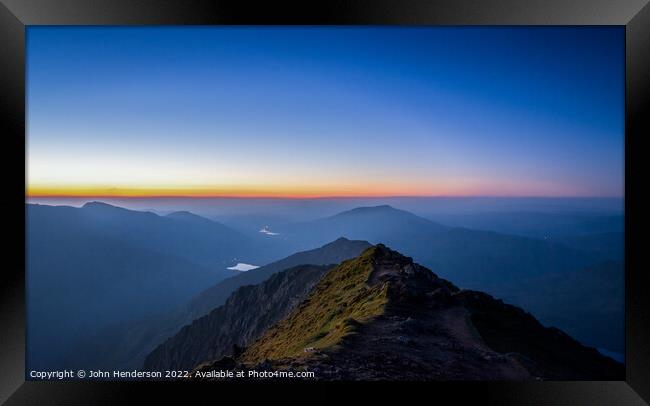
(331, 311)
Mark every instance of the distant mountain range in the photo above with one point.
(186, 235)
(142, 276)
(97, 265)
(600, 234)
(93, 266)
(500, 264)
(380, 316)
(472, 258)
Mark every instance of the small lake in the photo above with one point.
(242, 267)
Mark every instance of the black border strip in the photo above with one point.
(332, 12)
(634, 14)
(637, 278)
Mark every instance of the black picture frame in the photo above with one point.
(15, 15)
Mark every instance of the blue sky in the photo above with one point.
(302, 111)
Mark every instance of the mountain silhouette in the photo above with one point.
(518, 268)
(200, 240)
(120, 265)
(472, 258)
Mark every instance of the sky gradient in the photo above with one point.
(314, 112)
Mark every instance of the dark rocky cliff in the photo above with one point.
(247, 313)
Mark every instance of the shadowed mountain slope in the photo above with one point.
(589, 303)
(247, 313)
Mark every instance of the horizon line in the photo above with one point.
(317, 197)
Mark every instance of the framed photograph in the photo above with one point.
(273, 200)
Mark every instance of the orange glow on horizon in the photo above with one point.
(296, 191)
(287, 192)
(207, 194)
(281, 192)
